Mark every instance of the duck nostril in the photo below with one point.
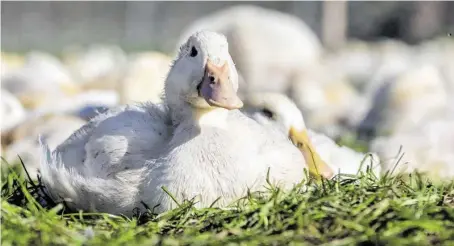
(212, 79)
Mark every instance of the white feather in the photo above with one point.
(125, 156)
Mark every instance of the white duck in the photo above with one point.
(12, 111)
(426, 148)
(320, 151)
(99, 67)
(74, 104)
(412, 98)
(144, 78)
(42, 79)
(325, 97)
(10, 62)
(197, 146)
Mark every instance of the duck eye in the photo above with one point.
(267, 113)
(193, 51)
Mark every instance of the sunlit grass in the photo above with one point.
(362, 210)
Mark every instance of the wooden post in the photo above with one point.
(334, 23)
(426, 20)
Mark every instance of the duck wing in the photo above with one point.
(120, 139)
(101, 166)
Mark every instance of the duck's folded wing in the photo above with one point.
(117, 140)
(102, 165)
(116, 196)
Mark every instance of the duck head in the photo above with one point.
(203, 77)
(278, 108)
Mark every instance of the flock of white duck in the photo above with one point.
(107, 131)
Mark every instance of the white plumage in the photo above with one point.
(98, 67)
(12, 112)
(409, 99)
(42, 79)
(144, 78)
(189, 145)
(71, 104)
(427, 148)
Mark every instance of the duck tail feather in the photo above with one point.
(111, 195)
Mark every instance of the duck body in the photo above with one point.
(426, 147)
(131, 162)
(411, 98)
(229, 166)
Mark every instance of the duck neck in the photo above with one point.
(212, 117)
(200, 117)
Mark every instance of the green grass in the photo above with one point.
(362, 210)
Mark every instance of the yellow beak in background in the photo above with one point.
(32, 100)
(70, 89)
(317, 166)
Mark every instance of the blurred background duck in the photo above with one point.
(12, 111)
(411, 98)
(77, 104)
(11, 61)
(98, 66)
(319, 150)
(41, 79)
(144, 77)
(55, 128)
(426, 148)
(324, 96)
